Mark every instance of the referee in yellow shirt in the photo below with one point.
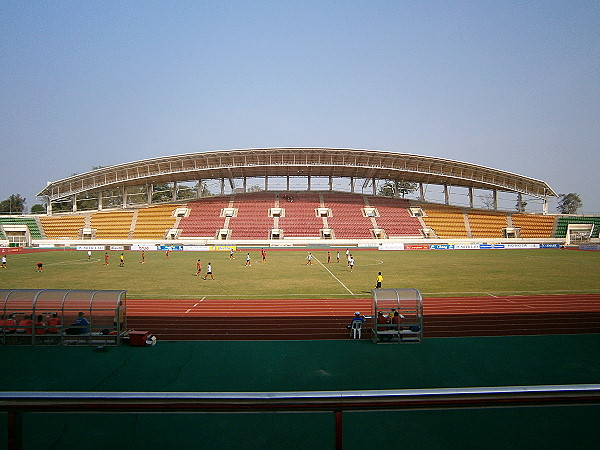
(379, 281)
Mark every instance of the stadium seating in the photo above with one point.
(30, 222)
(62, 227)
(446, 221)
(563, 224)
(394, 217)
(533, 225)
(347, 219)
(204, 219)
(154, 221)
(486, 224)
(113, 224)
(252, 220)
(300, 214)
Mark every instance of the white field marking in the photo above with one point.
(75, 261)
(527, 306)
(491, 295)
(195, 304)
(337, 279)
(503, 293)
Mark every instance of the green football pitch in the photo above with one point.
(285, 273)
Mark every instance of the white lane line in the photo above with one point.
(338, 280)
(195, 304)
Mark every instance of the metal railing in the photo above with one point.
(18, 403)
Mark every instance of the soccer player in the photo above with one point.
(328, 257)
(143, 256)
(106, 258)
(248, 259)
(309, 259)
(338, 256)
(209, 272)
(198, 268)
(122, 260)
(351, 262)
(379, 281)
(263, 254)
(89, 255)
(3, 262)
(40, 266)
(231, 254)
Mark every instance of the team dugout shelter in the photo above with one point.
(50, 317)
(186, 176)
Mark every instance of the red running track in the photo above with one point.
(255, 319)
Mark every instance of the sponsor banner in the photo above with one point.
(7, 250)
(171, 248)
(521, 245)
(466, 246)
(195, 248)
(592, 248)
(222, 248)
(116, 248)
(143, 247)
(280, 244)
(88, 248)
(416, 247)
(398, 246)
(441, 247)
(549, 245)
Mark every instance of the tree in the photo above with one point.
(569, 203)
(255, 188)
(520, 207)
(13, 204)
(38, 208)
(488, 201)
(392, 188)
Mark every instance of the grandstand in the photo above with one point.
(296, 216)
(347, 219)
(154, 222)
(350, 208)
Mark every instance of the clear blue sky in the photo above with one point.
(510, 85)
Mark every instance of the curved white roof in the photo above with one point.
(297, 162)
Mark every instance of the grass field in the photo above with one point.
(286, 275)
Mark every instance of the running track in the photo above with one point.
(270, 319)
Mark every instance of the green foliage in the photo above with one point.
(15, 204)
(38, 208)
(569, 203)
(393, 188)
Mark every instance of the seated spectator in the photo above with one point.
(356, 325)
(25, 325)
(396, 319)
(82, 323)
(382, 325)
(40, 326)
(54, 324)
(80, 326)
(9, 324)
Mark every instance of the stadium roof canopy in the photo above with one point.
(296, 162)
